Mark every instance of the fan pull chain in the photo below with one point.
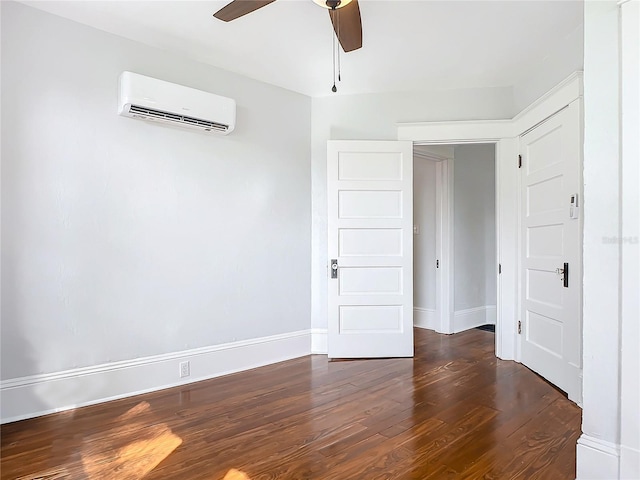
(338, 20)
(334, 89)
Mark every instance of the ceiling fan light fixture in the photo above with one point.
(332, 4)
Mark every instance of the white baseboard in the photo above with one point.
(425, 318)
(491, 314)
(629, 463)
(597, 459)
(473, 317)
(319, 341)
(37, 395)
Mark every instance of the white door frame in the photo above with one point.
(443, 158)
(447, 251)
(504, 134)
(444, 187)
(445, 276)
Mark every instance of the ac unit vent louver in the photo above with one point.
(151, 113)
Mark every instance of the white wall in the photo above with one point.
(610, 443)
(601, 260)
(630, 262)
(474, 227)
(424, 242)
(123, 239)
(535, 80)
(374, 116)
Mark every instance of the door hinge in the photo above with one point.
(519, 327)
(519, 161)
(437, 263)
(499, 268)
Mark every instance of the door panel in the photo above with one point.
(552, 313)
(370, 204)
(370, 166)
(368, 319)
(370, 280)
(370, 242)
(370, 235)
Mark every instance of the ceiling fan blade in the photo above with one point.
(238, 8)
(348, 26)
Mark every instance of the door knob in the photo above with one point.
(334, 268)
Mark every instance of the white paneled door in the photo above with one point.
(551, 329)
(370, 246)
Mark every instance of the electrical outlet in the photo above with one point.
(184, 369)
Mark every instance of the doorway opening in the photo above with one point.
(455, 237)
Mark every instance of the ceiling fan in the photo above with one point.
(344, 14)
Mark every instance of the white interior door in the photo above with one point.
(370, 246)
(552, 239)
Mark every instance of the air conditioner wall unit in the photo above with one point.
(151, 99)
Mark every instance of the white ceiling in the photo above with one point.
(407, 45)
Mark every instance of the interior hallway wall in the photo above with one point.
(474, 225)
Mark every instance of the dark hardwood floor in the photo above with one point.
(454, 411)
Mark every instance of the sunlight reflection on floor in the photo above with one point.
(130, 450)
(234, 474)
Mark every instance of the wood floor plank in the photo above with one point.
(453, 411)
